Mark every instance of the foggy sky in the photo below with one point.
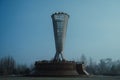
(26, 30)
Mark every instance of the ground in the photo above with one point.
(63, 78)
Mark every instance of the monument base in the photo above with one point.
(58, 69)
(81, 69)
(49, 68)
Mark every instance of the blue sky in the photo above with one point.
(26, 30)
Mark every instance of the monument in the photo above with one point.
(60, 21)
(59, 66)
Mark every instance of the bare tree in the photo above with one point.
(105, 65)
(7, 65)
(83, 59)
(92, 67)
(22, 69)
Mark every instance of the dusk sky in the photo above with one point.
(26, 29)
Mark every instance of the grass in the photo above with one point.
(63, 78)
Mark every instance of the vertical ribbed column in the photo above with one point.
(60, 21)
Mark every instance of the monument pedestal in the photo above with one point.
(50, 68)
(81, 69)
(58, 69)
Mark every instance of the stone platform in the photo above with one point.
(81, 69)
(58, 69)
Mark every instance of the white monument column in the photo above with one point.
(60, 21)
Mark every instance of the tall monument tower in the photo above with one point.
(58, 66)
(60, 21)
